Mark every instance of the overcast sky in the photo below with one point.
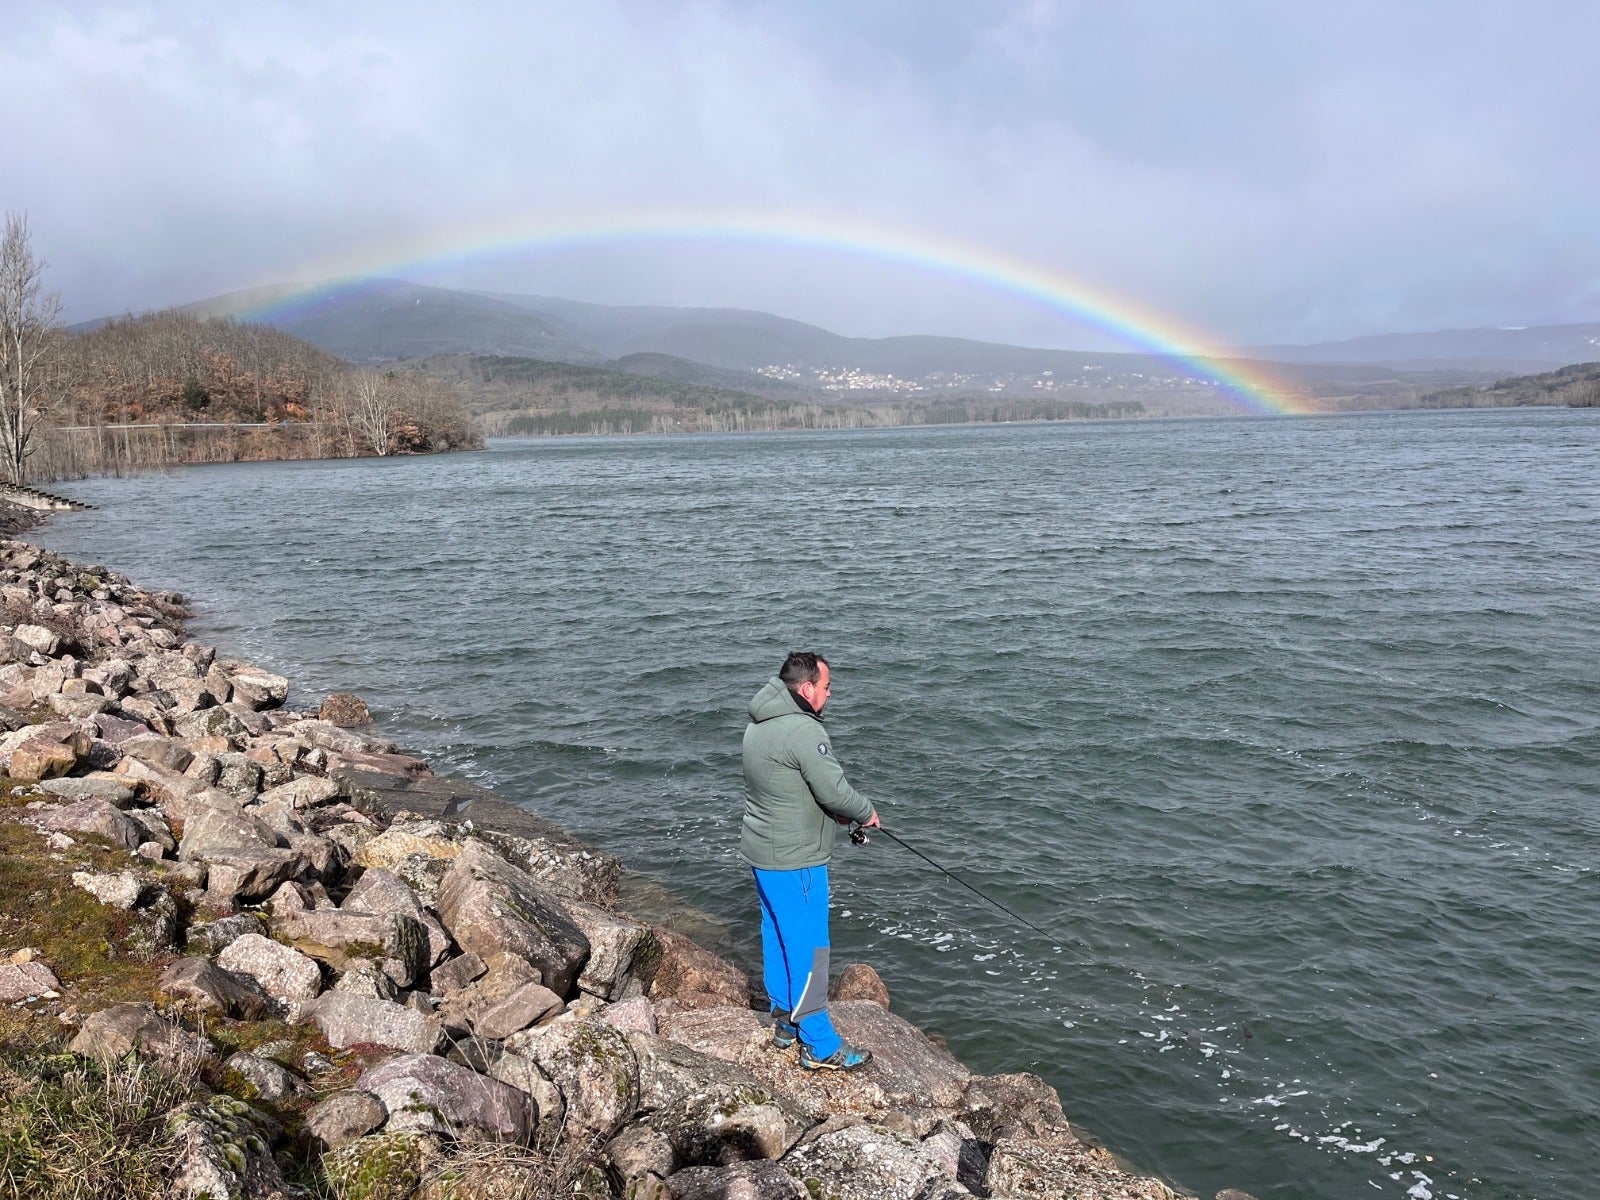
(1266, 171)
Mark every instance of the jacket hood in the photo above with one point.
(774, 700)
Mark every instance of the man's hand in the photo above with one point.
(872, 822)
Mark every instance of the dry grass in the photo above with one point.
(75, 1130)
(487, 1171)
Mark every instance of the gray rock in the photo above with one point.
(345, 710)
(22, 981)
(1019, 1104)
(320, 855)
(205, 767)
(290, 978)
(866, 1162)
(593, 1066)
(349, 1020)
(425, 1094)
(959, 1153)
(136, 1029)
(524, 1074)
(398, 943)
(491, 907)
(342, 1117)
(694, 977)
(365, 978)
(257, 688)
(908, 1069)
(522, 1008)
(1052, 1164)
(633, 1015)
(77, 705)
(713, 1111)
(380, 891)
(306, 792)
(207, 987)
(613, 941)
(120, 889)
(640, 1150)
(266, 1078)
(155, 828)
(759, 1180)
(219, 824)
(475, 1053)
(559, 861)
(45, 641)
(249, 873)
(109, 788)
(91, 816)
(212, 937)
(158, 751)
(237, 775)
(218, 721)
(462, 1009)
(456, 974)
(223, 1150)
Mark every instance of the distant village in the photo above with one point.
(858, 379)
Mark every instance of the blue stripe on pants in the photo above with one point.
(794, 950)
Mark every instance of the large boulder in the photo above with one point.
(397, 943)
(593, 1066)
(219, 823)
(1043, 1168)
(91, 816)
(124, 1029)
(347, 1019)
(250, 873)
(614, 943)
(425, 1094)
(694, 977)
(757, 1180)
(524, 1007)
(307, 791)
(254, 687)
(868, 1162)
(491, 907)
(206, 987)
(380, 891)
(421, 853)
(711, 1110)
(908, 1072)
(41, 758)
(223, 1150)
(342, 1117)
(290, 978)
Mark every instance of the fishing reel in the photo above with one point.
(858, 835)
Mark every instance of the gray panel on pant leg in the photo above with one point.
(815, 998)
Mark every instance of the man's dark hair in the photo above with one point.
(801, 667)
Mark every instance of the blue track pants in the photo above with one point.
(794, 950)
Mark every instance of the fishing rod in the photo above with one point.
(858, 835)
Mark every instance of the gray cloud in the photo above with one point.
(1266, 171)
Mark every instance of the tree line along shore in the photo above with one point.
(251, 950)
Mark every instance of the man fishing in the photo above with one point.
(796, 797)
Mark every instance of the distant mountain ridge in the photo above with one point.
(387, 320)
(1535, 348)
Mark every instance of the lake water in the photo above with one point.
(1287, 731)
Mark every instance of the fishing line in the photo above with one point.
(858, 835)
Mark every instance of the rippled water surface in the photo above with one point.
(1287, 731)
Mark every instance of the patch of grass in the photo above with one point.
(76, 1130)
(82, 940)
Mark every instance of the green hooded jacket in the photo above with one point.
(793, 785)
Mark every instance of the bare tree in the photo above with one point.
(29, 327)
(372, 410)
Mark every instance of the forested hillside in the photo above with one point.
(1577, 386)
(172, 387)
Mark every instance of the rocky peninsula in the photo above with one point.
(251, 951)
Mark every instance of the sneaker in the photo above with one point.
(845, 1058)
(784, 1033)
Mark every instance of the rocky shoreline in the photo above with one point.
(380, 984)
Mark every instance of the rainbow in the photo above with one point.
(1141, 328)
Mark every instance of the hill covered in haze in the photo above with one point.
(778, 359)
